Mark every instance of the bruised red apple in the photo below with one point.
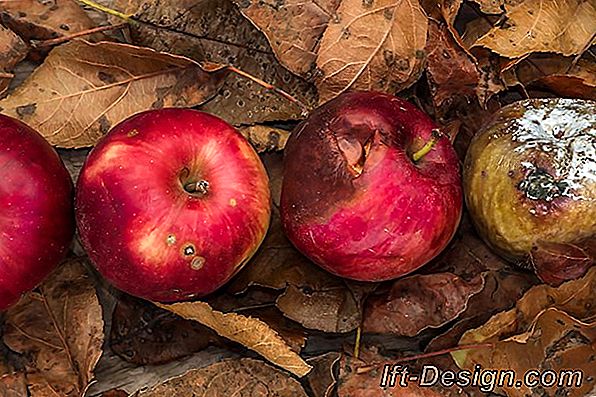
(371, 189)
(530, 183)
(36, 210)
(171, 204)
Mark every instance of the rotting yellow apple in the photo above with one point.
(530, 176)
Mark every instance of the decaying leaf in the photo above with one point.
(322, 379)
(84, 89)
(566, 27)
(216, 31)
(59, 328)
(43, 20)
(12, 50)
(239, 378)
(294, 28)
(554, 340)
(13, 385)
(452, 73)
(555, 263)
(144, 334)
(372, 45)
(491, 6)
(418, 302)
(264, 138)
(549, 328)
(250, 332)
(442, 9)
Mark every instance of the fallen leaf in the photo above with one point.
(418, 302)
(372, 45)
(59, 327)
(13, 385)
(451, 72)
(491, 6)
(322, 379)
(250, 332)
(115, 393)
(83, 89)
(556, 263)
(446, 10)
(43, 20)
(147, 335)
(295, 41)
(566, 27)
(239, 378)
(12, 51)
(291, 332)
(264, 138)
(554, 340)
(216, 31)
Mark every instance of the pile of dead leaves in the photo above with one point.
(284, 327)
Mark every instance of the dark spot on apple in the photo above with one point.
(189, 249)
(511, 173)
(197, 263)
(171, 239)
(107, 78)
(483, 173)
(26, 110)
(104, 124)
(540, 185)
(132, 133)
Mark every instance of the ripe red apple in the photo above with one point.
(171, 204)
(36, 210)
(371, 190)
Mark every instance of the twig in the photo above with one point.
(370, 367)
(63, 39)
(4, 75)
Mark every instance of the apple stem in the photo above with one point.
(197, 188)
(434, 138)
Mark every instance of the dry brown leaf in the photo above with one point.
(553, 340)
(59, 328)
(491, 6)
(555, 263)
(146, 335)
(264, 138)
(566, 27)
(239, 378)
(12, 51)
(83, 89)
(452, 73)
(216, 31)
(442, 9)
(43, 20)
(250, 332)
(322, 379)
(372, 45)
(293, 27)
(13, 385)
(419, 302)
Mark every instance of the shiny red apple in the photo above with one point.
(171, 204)
(36, 210)
(371, 189)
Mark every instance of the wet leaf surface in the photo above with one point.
(84, 89)
(12, 50)
(322, 379)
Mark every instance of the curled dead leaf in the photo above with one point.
(59, 328)
(264, 138)
(250, 332)
(216, 31)
(43, 20)
(242, 378)
(372, 46)
(323, 379)
(417, 302)
(12, 50)
(83, 89)
(555, 263)
(567, 27)
(295, 41)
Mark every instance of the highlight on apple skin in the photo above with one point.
(370, 191)
(171, 204)
(36, 210)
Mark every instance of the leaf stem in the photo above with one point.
(4, 75)
(434, 138)
(63, 39)
(357, 343)
(107, 10)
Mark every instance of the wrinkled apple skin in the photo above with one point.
(144, 231)
(36, 210)
(519, 192)
(352, 199)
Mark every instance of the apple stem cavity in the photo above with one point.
(434, 138)
(198, 188)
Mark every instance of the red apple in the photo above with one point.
(36, 218)
(171, 204)
(371, 189)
